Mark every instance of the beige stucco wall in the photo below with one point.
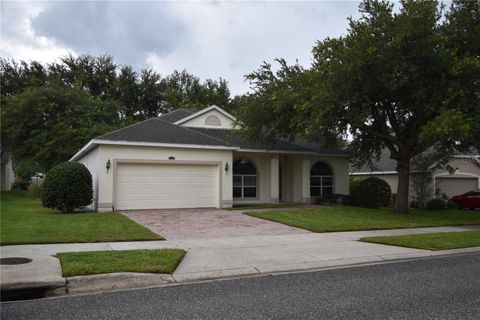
(117, 152)
(199, 121)
(294, 178)
(262, 164)
(91, 161)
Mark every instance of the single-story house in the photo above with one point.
(194, 159)
(466, 175)
(7, 175)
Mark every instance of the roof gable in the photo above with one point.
(211, 117)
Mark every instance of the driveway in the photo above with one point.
(181, 224)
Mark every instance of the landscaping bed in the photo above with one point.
(99, 262)
(431, 241)
(346, 218)
(24, 221)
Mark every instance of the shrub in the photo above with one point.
(328, 199)
(35, 189)
(67, 186)
(436, 204)
(370, 193)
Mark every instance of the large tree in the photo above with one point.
(48, 124)
(397, 80)
(48, 111)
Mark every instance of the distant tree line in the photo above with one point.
(49, 111)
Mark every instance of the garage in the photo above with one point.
(164, 186)
(455, 186)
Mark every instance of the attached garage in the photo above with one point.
(453, 186)
(165, 185)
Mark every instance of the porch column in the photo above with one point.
(274, 180)
(306, 181)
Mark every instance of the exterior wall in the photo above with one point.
(226, 123)
(7, 176)
(118, 152)
(261, 161)
(339, 166)
(91, 161)
(294, 178)
(465, 178)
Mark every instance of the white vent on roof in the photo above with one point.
(213, 120)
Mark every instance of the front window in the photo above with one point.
(321, 180)
(244, 179)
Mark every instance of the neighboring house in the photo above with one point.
(7, 174)
(466, 175)
(193, 159)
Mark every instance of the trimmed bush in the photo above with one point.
(436, 204)
(370, 193)
(67, 186)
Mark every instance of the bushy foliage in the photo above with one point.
(67, 186)
(436, 204)
(370, 193)
(35, 189)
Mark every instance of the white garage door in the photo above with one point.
(456, 186)
(161, 186)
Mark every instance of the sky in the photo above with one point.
(208, 39)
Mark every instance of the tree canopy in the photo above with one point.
(49, 111)
(405, 79)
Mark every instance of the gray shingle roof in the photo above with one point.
(162, 130)
(158, 131)
(177, 114)
(384, 164)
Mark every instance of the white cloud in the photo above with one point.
(210, 40)
(18, 38)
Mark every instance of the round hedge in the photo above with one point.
(67, 186)
(370, 193)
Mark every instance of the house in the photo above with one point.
(7, 175)
(466, 175)
(194, 159)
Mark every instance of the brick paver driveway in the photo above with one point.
(179, 224)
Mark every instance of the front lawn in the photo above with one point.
(345, 218)
(97, 262)
(431, 241)
(23, 220)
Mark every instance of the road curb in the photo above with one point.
(91, 284)
(132, 281)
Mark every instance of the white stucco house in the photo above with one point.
(7, 175)
(194, 159)
(465, 176)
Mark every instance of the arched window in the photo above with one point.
(213, 120)
(244, 179)
(321, 180)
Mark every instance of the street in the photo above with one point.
(435, 288)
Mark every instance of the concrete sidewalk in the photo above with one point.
(222, 257)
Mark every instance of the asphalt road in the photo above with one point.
(440, 288)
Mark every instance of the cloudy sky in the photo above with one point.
(209, 39)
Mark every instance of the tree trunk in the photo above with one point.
(403, 169)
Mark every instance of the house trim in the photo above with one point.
(94, 142)
(312, 153)
(199, 113)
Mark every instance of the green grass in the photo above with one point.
(23, 220)
(262, 206)
(97, 262)
(345, 218)
(431, 241)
